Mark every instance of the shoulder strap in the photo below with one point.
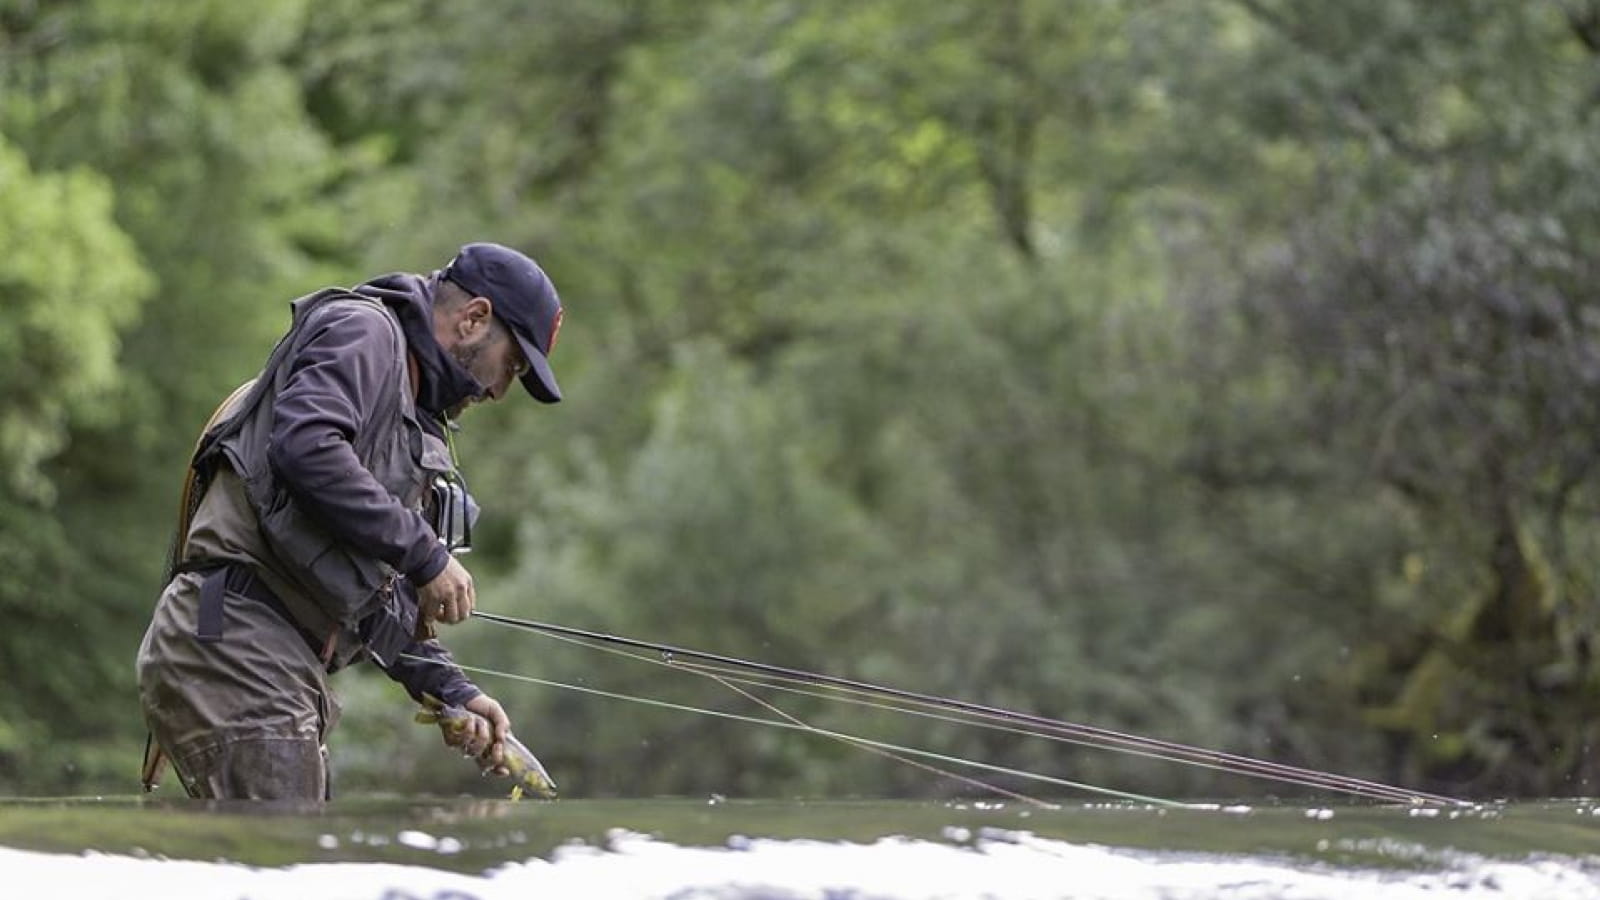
(232, 414)
(194, 486)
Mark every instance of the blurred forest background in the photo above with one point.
(1221, 371)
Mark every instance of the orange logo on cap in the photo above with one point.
(555, 330)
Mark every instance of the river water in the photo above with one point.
(393, 849)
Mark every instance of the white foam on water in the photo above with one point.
(993, 865)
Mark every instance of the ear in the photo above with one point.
(473, 319)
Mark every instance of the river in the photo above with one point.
(472, 849)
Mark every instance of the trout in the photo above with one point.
(527, 773)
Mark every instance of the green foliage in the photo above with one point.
(60, 328)
(60, 323)
(1214, 371)
(183, 170)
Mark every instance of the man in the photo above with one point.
(318, 522)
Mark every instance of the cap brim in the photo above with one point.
(539, 380)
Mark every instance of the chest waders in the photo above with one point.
(155, 759)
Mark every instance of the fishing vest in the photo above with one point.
(334, 587)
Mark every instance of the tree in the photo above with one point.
(60, 328)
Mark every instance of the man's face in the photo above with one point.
(493, 358)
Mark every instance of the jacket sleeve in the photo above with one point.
(334, 383)
(426, 667)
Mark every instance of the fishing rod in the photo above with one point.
(1095, 736)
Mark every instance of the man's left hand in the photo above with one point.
(485, 734)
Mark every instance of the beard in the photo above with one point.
(467, 356)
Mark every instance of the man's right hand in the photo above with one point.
(449, 597)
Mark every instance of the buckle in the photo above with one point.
(452, 512)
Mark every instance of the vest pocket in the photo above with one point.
(345, 585)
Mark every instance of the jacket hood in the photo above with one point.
(442, 383)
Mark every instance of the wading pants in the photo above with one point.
(244, 714)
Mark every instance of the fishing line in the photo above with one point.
(736, 717)
(911, 708)
(854, 742)
(725, 682)
(1012, 729)
(724, 675)
(1105, 737)
(727, 678)
(797, 721)
(1314, 780)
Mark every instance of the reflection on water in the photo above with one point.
(393, 849)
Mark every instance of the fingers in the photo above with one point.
(497, 754)
(449, 597)
(482, 738)
(499, 725)
(457, 606)
(447, 611)
(488, 749)
(474, 738)
(482, 734)
(490, 708)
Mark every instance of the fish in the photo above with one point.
(527, 773)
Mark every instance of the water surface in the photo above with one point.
(689, 848)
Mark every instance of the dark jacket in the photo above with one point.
(335, 455)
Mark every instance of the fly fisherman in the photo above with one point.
(318, 522)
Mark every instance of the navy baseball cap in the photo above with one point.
(525, 301)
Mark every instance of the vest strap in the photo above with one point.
(208, 627)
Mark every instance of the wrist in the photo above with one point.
(461, 695)
(436, 562)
